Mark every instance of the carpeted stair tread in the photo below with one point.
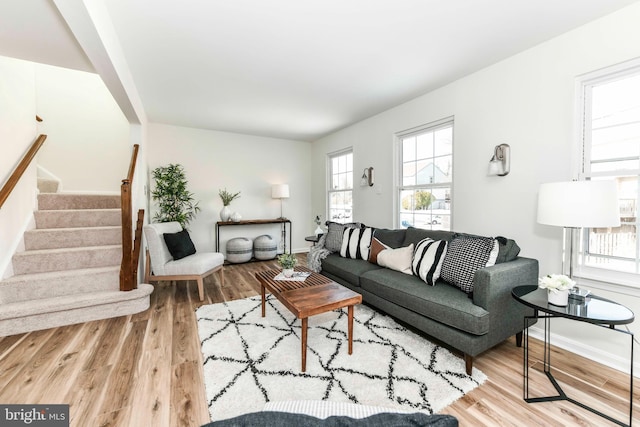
(52, 238)
(59, 283)
(42, 260)
(25, 316)
(77, 218)
(64, 201)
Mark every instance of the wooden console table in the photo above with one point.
(283, 221)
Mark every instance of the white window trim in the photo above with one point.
(397, 155)
(328, 176)
(603, 279)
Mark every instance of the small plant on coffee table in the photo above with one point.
(287, 261)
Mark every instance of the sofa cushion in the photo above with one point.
(443, 303)
(415, 235)
(356, 243)
(467, 254)
(427, 260)
(391, 238)
(385, 419)
(333, 241)
(347, 268)
(398, 259)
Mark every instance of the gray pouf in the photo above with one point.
(239, 250)
(265, 247)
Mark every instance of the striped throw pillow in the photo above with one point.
(356, 243)
(428, 258)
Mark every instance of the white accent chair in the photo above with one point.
(160, 265)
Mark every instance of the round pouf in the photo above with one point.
(265, 247)
(239, 250)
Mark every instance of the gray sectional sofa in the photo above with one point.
(468, 322)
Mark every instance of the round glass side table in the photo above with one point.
(593, 309)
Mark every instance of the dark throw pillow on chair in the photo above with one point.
(179, 244)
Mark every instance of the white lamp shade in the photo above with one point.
(588, 204)
(280, 191)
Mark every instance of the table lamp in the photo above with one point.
(578, 204)
(280, 191)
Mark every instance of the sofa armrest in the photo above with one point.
(492, 285)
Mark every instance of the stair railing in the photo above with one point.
(17, 173)
(130, 248)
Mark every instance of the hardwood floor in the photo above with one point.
(146, 369)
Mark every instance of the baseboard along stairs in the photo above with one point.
(69, 270)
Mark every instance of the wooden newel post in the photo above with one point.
(126, 280)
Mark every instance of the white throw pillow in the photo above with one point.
(397, 259)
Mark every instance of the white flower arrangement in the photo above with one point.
(556, 282)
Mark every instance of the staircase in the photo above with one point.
(69, 271)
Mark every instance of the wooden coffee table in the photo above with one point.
(317, 294)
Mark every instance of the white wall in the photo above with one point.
(18, 131)
(527, 101)
(89, 145)
(249, 164)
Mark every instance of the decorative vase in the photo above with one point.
(288, 272)
(225, 213)
(236, 217)
(559, 298)
(318, 231)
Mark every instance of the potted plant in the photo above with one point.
(557, 286)
(287, 262)
(226, 198)
(175, 202)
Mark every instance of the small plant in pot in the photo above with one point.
(287, 262)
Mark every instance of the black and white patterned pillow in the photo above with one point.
(335, 230)
(466, 255)
(356, 243)
(428, 258)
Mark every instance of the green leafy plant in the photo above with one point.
(228, 197)
(175, 202)
(287, 261)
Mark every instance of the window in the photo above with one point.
(340, 186)
(426, 167)
(611, 150)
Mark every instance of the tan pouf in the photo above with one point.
(239, 250)
(265, 247)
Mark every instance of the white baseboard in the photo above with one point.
(596, 354)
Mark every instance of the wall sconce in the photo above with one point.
(367, 177)
(500, 163)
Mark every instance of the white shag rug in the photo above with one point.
(250, 360)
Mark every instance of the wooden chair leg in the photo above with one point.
(200, 288)
(222, 277)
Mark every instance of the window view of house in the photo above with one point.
(340, 187)
(426, 164)
(611, 150)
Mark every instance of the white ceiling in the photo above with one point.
(295, 69)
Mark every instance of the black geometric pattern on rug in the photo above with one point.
(250, 360)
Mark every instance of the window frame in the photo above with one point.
(584, 86)
(399, 161)
(330, 190)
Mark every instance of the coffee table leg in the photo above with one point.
(263, 299)
(350, 312)
(304, 344)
